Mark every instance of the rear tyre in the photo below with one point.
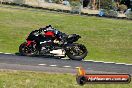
(77, 52)
(25, 50)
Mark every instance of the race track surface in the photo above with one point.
(50, 64)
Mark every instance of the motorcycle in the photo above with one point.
(33, 46)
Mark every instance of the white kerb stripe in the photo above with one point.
(66, 66)
(41, 64)
(53, 65)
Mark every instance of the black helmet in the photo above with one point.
(48, 26)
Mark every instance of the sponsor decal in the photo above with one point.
(83, 78)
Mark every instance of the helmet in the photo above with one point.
(48, 26)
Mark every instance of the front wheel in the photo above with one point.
(27, 50)
(77, 52)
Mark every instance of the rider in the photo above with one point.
(50, 35)
(51, 32)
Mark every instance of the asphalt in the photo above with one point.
(56, 65)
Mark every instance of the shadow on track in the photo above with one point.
(50, 56)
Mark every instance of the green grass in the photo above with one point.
(106, 39)
(21, 79)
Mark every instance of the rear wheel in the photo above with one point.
(27, 50)
(77, 52)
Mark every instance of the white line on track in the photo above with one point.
(119, 63)
(64, 58)
(88, 60)
(109, 62)
(53, 65)
(77, 67)
(99, 61)
(67, 66)
(2, 52)
(5, 53)
(42, 64)
(128, 64)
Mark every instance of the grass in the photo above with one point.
(106, 39)
(22, 79)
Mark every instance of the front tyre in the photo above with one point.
(25, 50)
(77, 52)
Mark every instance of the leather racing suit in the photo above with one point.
(49, 36)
